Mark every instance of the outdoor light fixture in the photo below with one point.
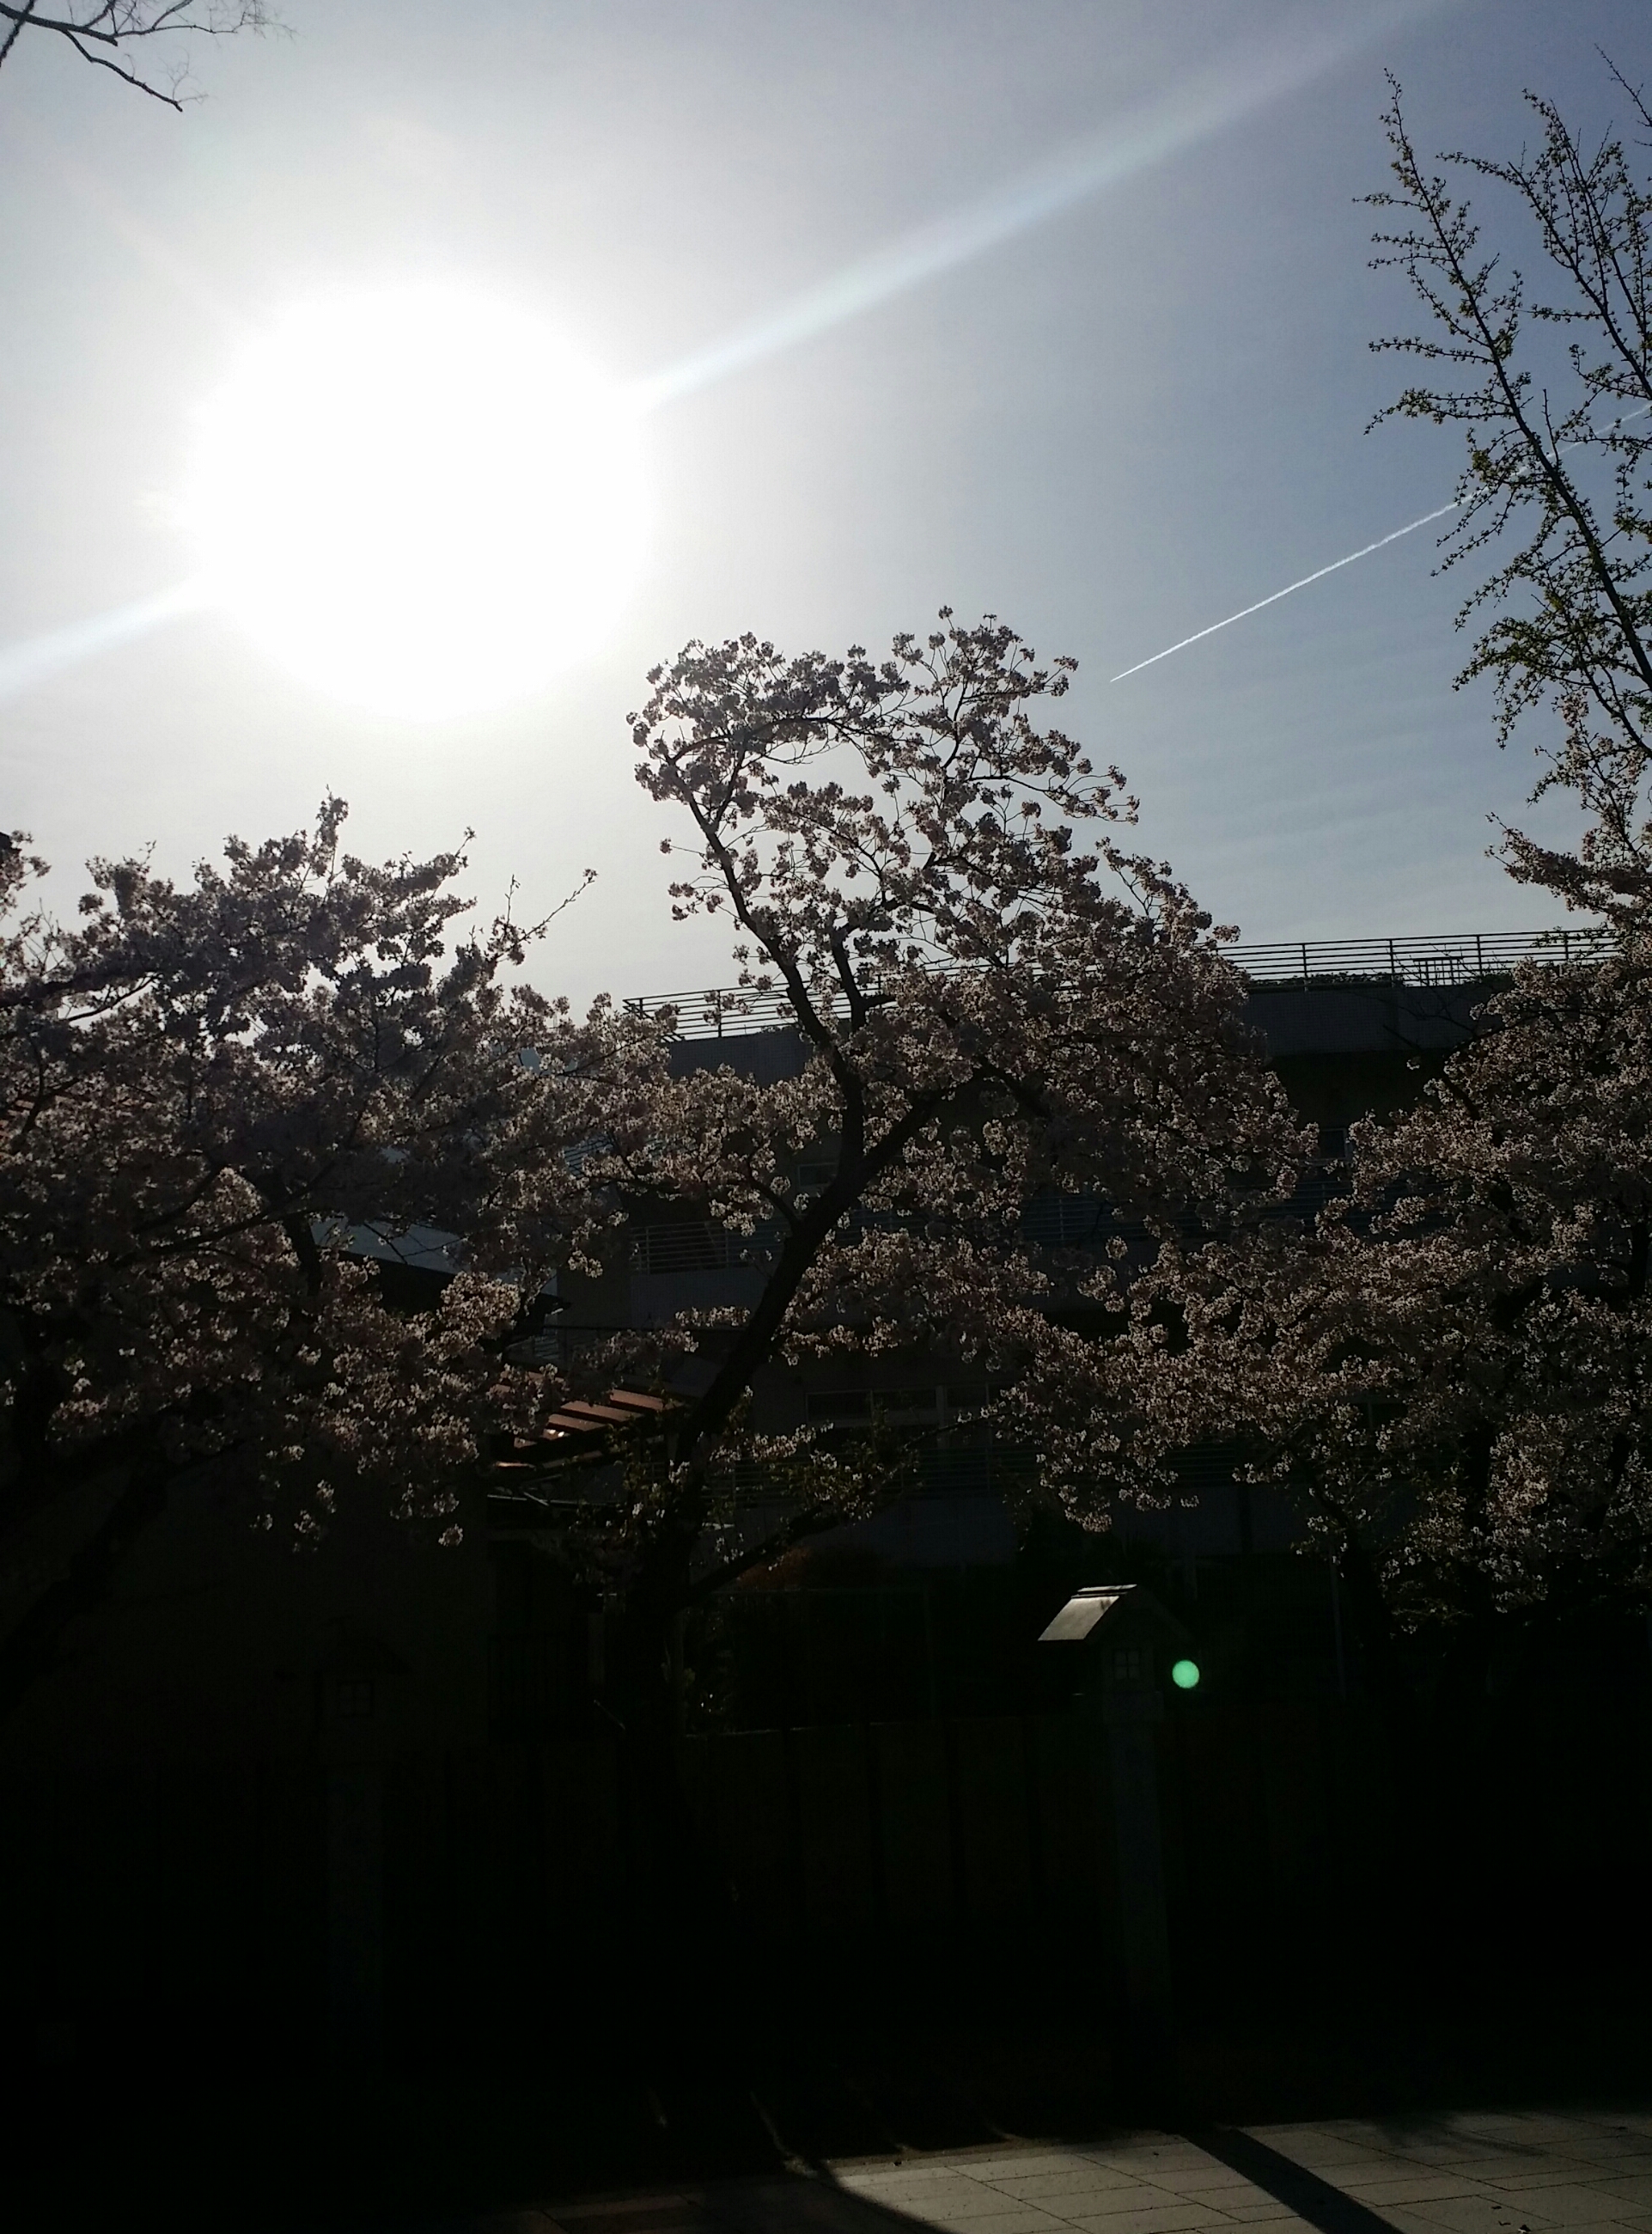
(1119, 1638)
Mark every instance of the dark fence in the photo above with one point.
(1438, 958)
(1444, 958)
(461, 1904)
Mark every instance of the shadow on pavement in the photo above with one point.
(1324, 2207)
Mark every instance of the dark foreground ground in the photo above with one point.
(653, 2101)
(1409, 2172)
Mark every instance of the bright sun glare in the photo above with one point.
(418, 500)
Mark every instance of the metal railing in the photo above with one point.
(1442, 958)
(721, 1013)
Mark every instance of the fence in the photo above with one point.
(1467, 958)
(463, 1898)
(1438, 958)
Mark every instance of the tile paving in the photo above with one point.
(1491, 2172)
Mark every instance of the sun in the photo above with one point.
(419, 501)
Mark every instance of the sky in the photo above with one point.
(1054, 309)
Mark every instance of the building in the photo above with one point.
(210, 1644)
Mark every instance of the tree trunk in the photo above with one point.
(651, 1708)
(1374, 1627)
(686, 1948)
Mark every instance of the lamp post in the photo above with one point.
(1127, 1637)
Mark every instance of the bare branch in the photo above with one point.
(100, 34)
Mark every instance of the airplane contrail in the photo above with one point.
(1274, 596)
(1364, 552)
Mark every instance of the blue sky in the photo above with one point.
(1111, 403)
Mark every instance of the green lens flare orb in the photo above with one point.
(1184, 1675)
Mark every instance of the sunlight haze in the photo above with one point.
(378, 423)
(416, 499)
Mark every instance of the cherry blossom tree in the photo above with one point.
(1447, 1367)
(223, 1101)
(220, 1104)
(991, 998)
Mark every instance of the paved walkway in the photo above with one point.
(1510, 2174)
(1514, 2173)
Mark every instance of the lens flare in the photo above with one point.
(424, 504)
(1250, 75)
(23, 666)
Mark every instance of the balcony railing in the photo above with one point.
(1442, 959)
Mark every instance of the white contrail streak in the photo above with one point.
(1273, 598)
(1198, 635)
